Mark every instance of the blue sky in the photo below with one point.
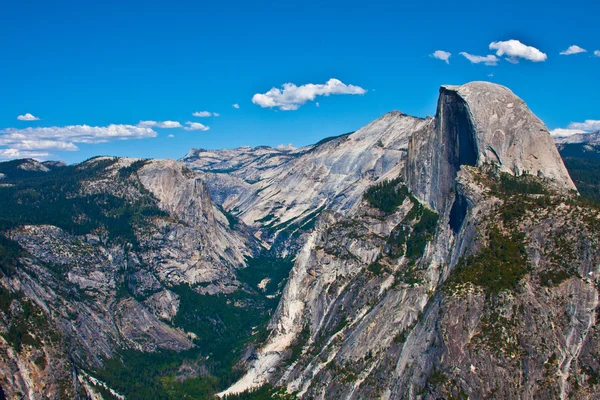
(102, 63)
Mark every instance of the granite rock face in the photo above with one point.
(373, 311)
(96, 294)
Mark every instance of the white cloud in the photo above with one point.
(160, 124)
(491, 75)
(202, 114)
(442, 55)
(561, 132)
(573, 50)
(514, 50)
(236, 105)
(9, 154)
(587, 125)
(597, 53)
(196, 126)
(317, 104)
(292, 96)
(490, 59)
(39, 145)
(171, 136)
(30, 142)
(27, 117)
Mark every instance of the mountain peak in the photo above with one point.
(507, 133)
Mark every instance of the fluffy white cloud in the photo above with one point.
(292, 96)
(597, 53)
(39, 145)
(30, 142)
(561, 132)
(573, 50)
(490, 59)
(160, 124)
(514, 50)
(27, 117)
(442, 55)
(587, 125)
(171, 136)
(195, 126)
(236, 105)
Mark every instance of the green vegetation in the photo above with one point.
(224, 325)
(57, 199)
(508, 185)
(586, 176)
(10, 253)
(25, 321)
(265, 392)
(259, 268)
(516, 207)
(139, 375)
(299, 343)
(232, 220)
(387, 196)
(376, 268)
(414, 232)
(330, 138)
(498, 266)
(422, 232)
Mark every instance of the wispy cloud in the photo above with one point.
(36, 142)
(597, 53)
(292, 96)
(27, 117)
(203, 114)
(442, 55)
(574, 49)
(236, 105)
(170, 136)
(9, 154)
(195, 126)
(487, 60)
(160, 124)
(513, 50)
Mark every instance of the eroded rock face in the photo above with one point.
(360, 321)
(508, 134)
(97, 293)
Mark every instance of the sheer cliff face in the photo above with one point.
(485, 303)
(477, 124)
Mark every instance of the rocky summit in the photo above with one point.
(416, 258)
